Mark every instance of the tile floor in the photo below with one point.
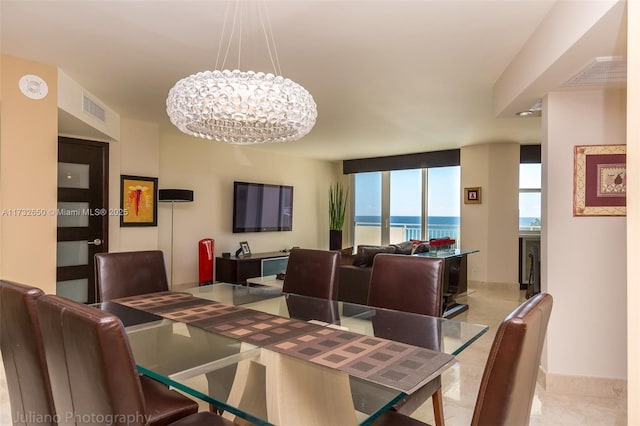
(460, 383)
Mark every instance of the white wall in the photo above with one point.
(633, 213)
(492, 226)
(209, 169)
(583, 258)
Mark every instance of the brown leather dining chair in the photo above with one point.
(124, 274)
(312, 273)
(23, 355)
(411, 284)
(509, 380)
(93, 375)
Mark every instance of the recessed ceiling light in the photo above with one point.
(524, 113)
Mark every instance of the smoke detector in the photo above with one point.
(33, 86)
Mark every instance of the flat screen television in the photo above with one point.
(261, 207)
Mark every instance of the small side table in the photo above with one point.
(267, 280)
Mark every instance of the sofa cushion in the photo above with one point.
(354, 284)
(405, 247)
(365, 254)
(348, 251)
(421, 248)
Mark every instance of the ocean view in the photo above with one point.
(438, 226)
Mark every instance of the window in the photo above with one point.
(368, 209)
(443, 206)
(393, 206)
(530, 204)
(405, 205)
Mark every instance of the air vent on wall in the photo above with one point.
(91, 107)
(604, 70)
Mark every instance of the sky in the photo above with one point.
(443, 191)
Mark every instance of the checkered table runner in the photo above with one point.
(393, 364)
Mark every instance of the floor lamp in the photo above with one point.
(174, 196)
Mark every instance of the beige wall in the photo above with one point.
(209, 169)
(137, 154)
(28, 175)
(492, 226)
(633, 213)
(583, 258)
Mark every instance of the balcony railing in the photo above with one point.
(369, 232)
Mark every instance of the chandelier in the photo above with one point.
(241, 107)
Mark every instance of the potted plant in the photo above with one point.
(337, 209)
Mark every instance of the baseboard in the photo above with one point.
(583, 385)
(471, 284)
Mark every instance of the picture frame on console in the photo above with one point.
(246, 251)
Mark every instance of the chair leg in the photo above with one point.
(438, 407)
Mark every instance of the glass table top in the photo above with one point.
(237, 376)
(445, 253)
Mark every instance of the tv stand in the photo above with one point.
(236, 269)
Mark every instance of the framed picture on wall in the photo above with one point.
(600, 180)
(473, 195)
(138, 201)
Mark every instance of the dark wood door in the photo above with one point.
(83, 215)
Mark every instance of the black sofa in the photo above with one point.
(355, 270)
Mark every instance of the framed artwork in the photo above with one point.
(138, 201)
(473, 195)
(600, 180)
(246, 251)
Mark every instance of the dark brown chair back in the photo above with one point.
(410, 284)
(129, 273)
(509, 379)
(312, 273)
(407, 283)
(93, 375)
(23, 356)
(91, 364)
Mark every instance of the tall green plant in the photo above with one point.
(337, 206)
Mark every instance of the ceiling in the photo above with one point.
(388, 77)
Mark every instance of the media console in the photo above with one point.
(236, 269)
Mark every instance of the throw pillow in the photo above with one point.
(417, 242)
(365, 255)
(421, 248)
(405, 247)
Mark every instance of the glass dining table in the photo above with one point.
(270, 357)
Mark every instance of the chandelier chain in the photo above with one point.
(276, 69)
(242, 107)
(240, 21)
(224, 30)
(233, 31)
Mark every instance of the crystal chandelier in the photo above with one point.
(241, 107)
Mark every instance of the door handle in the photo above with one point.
(96, 242)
